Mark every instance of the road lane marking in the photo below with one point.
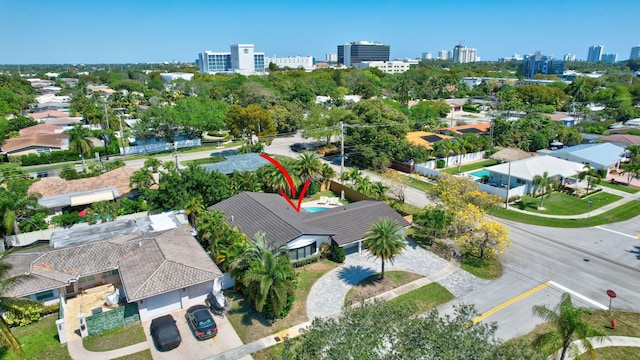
(578, 295)
(617, 232)
(509, 302)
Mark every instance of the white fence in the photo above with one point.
(154, 148)
(516, 191)
(449, 161)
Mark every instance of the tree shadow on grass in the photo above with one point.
(249, 313)
(352, 275)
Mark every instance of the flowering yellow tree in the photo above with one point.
(457, 191)
(472, 228)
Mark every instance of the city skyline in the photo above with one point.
(84, 32)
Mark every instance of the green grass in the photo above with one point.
(424, 298)
(488, 268)
(39, 341)
(558, 203)
(469, 167)
(372, 285)
(142, 355)
(624, 188)
(416, 183)
(119, 337)
(621, 213)
(627, 324)
(251, 325)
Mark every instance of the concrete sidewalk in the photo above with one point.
(77, 351)
(622, 341)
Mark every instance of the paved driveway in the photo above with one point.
(193, 349)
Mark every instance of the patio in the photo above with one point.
(88, 302)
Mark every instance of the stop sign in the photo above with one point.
(611, 293)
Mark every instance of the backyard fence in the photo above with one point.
(113, 318)
(159, 147)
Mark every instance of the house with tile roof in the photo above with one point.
(35, 143)
(161, 271)
(426, 138)
(59, 194)
(602, 156)
(303, 232)
(481, 128)
(622, 140)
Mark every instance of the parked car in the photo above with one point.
(201, 322)
(164, 333)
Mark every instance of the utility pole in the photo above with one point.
(341, 148)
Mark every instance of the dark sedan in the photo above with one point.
(164, 333)
(201, 322)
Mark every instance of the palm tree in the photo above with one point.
(569, 326)
(276, 181)
(153, 163)
(354, 175)
(632, 170)
(379, 190)
(16, 207)
(384, 240)
(309, 166)
(255, 251)
(79, 140)
(270, 281)
(327, 174)
(544, 184)
(591, 174)
(634, 152)
(141, 180)
(364, 185)
(11, 304)
(193, 207)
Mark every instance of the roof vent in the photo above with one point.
(231, 217)
(139, 243)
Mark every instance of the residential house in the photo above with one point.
(567, 119)
(35, 143)
(240, 162)
(49, 114)
(477, 129)
(302, 231)
(622, 140)
(603, 156)
(425, 138)
(59, 194)
(161, 271)
(522, 172)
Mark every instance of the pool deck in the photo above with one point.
(315, 203)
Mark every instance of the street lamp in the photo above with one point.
(589, 212)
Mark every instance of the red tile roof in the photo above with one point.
(118, 178)
(34, 139)
(42, 128)
(48, 114)
(623, 138)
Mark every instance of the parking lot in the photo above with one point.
(190, 347)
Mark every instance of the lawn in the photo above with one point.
(425, 298)
(488, 268)
(119, 337)
(558, 203)
(624, 188)
(416, 183)
(373, 285)
(39, 341)
(628, 324)
(469, 167)
(621, 213)
(251, 325)
(142, 355)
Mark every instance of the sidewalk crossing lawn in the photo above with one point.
(558, 203)
(39, 341)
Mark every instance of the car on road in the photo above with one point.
(201, 322)
(164, 333)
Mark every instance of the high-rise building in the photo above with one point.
(595, 53)
(360, 51)
(443, 55)
(332, 58)
(242, 60)
(426, 56)
(463, 54)
(635, 52)
(569, 57)
(609, 58)
(540, 64)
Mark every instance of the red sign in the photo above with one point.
(611, 293)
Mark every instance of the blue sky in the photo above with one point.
(121, 31)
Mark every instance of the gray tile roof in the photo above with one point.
(149, 264)
(253, 212)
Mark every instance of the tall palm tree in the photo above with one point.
(544, 184)
(327, 174)
(569, 326)
(364, 185)
(79, 140)
(354, 175)
(632, 170)
(153, 163)
(258, 246)
(11, 304)
(193, 207)
(379, 190)
(309, 166)
(591, 174)
(276, 181)
(270, 281)
(384, 240)
(634, 152)
(16, 206)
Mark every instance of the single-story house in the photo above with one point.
(425, 138)
(521, 172)
(481, 128)
(59, 194)
(50, 114)
(42, 128)
(161, 272)
(622, 140)
(602, 156)
(303, 231)
(35, 143)
(567, 119)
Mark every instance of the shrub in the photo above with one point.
(268, 308)
(313, 188)
(338, 254)
(30, 313)
(306, 261)
(440, 163)
(325, 250)
(66, 219)
(50, 309)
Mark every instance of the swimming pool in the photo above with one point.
(479, 174)
(313, 209)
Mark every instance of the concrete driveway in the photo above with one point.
(191, 348)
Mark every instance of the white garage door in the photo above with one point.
(162, 304)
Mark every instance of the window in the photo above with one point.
(44, 295)
(110, 273)
(303, 252)
(86, 278)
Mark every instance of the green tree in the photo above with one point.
(16, 205)
(327, 174)
(175, 187)
(634, 152)
(591, 175)
(309, 166)
(379, 190)
(274, 180)
(225, 243)
(433, 222)
(79, 140)
(245, 123)
(569, 325)
(544, 184)
(323, 124)
(632, 170)
(141, 180)
(384, 241)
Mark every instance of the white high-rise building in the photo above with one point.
(242, 60)
(463, 54)
(443, 55)
(426, 56)
(635, 52)
(293, 62)
(569, 57)
(595, 53)
(331, 58)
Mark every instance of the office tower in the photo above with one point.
(569, 57)
(331, 58)
(609, 58)
(241, 59)
(595, 53)
(541, 64)
(360, 51)
(635, 52)
(443, 55)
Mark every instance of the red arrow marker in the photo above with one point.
(290, 182)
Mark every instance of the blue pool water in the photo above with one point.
(479, 174)
(314, 209)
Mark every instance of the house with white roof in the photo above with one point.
(603, 156)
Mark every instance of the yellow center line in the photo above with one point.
(509, 302)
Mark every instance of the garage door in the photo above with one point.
(162, 304)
